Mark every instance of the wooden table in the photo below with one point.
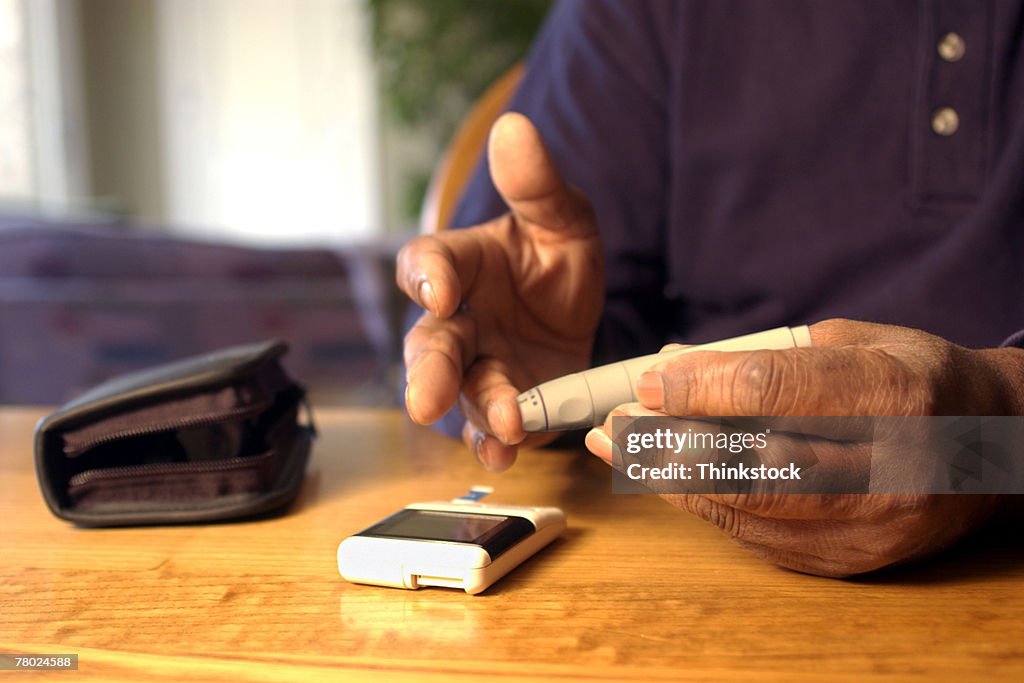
(634, 590)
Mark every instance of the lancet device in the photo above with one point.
(584, 399)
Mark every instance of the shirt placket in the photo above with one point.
(950, 122)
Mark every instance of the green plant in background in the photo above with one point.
(436, 57)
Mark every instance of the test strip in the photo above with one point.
(474, 494)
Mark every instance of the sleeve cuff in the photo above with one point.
(1015, 339)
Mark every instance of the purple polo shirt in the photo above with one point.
(755, 164)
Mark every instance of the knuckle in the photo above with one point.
(482, 379)
(757, 503)
(420, 337)
(903, 390)
(681, 383)
(756, 382)
(722, 516)
(412, 345)
(419, 341)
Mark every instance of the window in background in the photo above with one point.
(268, 119)
(16, 170)
(245, 120)
(42, 153)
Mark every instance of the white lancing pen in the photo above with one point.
(584, 399)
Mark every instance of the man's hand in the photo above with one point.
(509, 304)
(854, 369)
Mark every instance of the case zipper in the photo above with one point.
(170, 425)
(161, 468)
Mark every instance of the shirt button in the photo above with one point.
(951, 47)
(945, 121)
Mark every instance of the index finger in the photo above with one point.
(426, 270)
(824, 381)
(436, 353)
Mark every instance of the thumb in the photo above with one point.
(527, 179)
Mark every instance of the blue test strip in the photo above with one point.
(474, 494)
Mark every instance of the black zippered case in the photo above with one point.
(209, 438)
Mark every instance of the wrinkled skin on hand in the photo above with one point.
(516, 301)
(853, 369)
(508, 304)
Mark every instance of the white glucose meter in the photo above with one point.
(452, 545)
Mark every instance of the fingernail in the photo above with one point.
(496, 419)
(410, 393)
(602, 446)
(409, 402)
(427, 297)
(477, 448)
(650, 389)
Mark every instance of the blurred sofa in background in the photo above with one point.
(83, 301)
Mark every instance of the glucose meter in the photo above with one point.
(467, 545)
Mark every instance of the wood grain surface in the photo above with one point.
(635, 590)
